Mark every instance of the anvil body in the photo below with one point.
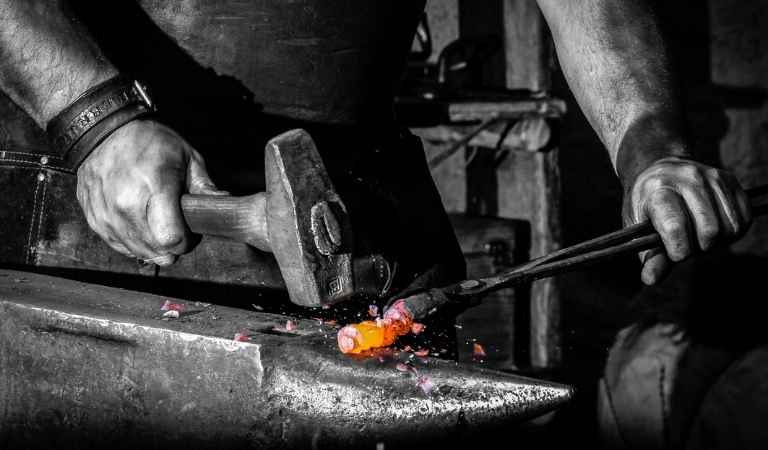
(92, 366)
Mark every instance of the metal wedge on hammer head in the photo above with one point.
(300, 219)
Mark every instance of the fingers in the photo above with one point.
(198, 180)
(668, 213)
(98, 226)
(703, 214)
(691, 206)
(656, 265)
(731, 202)
(166, 223)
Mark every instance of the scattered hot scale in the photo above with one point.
(242, 336)
(172, 310)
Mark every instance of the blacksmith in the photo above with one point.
(227, 75)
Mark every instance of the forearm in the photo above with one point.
(46, 58)
(614, 59)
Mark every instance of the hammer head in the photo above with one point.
(307, 223)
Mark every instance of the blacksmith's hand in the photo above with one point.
(130, 188)
(693, 206)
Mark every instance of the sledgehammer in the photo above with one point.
(300, 219)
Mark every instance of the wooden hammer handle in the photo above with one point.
(242, 219)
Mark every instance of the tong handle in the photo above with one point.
(635, 238)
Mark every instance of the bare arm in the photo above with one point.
(129, 186)
(47, 58)
(616, 63)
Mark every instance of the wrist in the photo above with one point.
(648, 141)
(66, 94)
(96, 114)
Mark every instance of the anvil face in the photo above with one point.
(93, 366)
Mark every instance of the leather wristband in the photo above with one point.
(84, 124)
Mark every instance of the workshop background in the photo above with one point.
(720, 48)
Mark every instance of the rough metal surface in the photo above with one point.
(89, 366)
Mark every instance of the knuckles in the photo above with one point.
(129, 200)
(170, 239)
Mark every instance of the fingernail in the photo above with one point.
(644, 257)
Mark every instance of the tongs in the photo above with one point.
(632, 239)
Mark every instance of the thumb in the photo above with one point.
(166, 223)
(198, 180)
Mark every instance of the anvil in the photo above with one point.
(93, 366)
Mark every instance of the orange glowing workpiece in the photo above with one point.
(368, 335)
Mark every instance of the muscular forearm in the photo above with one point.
(614, 59)
(46, 58)
(616, 64)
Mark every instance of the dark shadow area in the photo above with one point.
(716, 301)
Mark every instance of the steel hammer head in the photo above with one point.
(307, 223)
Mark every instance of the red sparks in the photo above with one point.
(425, 384)
(168, 306)
(421, 352)
(373, 310)
(417, 328)
(478, 351)
(242, 336)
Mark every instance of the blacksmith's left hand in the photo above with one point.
(693, 207)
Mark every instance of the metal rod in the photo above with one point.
(635, 238)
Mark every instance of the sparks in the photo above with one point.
(168, 306)
(478, 351)
(426, 385)
(242, 336)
